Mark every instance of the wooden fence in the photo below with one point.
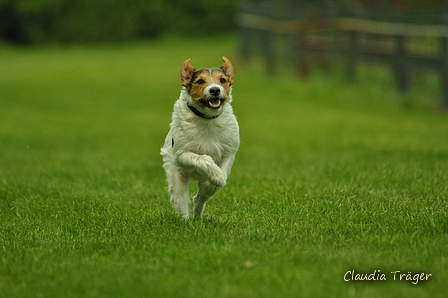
(404, 46)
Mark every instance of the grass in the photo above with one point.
(330, 177)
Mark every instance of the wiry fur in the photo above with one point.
(197, 148)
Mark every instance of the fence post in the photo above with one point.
(352, 53)
(245, 34)
(268, 41)
(444, 71)
(401, 70)
(444, 59)
(401, 63)
(297, 10)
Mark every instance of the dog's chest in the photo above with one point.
(214, 138)
(209, 140)
(217, 137)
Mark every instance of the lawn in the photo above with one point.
(331, 177)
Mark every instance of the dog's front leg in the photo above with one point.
(204, 165)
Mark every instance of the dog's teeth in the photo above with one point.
(214, 103)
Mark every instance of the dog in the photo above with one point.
(203, 137)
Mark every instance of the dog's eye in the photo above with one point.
(223, 80)
(200, 81)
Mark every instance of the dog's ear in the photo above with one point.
(185, 73)
(228, 69)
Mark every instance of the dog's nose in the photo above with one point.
(215, 91)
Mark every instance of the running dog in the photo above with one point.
(203, 137)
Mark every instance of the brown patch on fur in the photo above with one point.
(228, 69)
(185, 72)
(205, 77)
(196, 81)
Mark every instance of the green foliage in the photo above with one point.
(330, 177)
(32, 21)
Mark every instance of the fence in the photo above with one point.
(404, 36)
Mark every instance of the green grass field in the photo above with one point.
(330, 177)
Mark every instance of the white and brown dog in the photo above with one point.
(203, 137)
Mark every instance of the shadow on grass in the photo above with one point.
(167, 218)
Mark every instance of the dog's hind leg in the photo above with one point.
(205, 191)
(178, 189)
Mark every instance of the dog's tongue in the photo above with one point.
(214, 103)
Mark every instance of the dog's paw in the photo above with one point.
(218, 178)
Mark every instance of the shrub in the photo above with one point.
(34, 21)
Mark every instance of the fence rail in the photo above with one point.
(344, 24)
(393, 43)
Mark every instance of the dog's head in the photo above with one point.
(209, 88)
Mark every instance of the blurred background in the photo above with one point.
(405, 36)
(37, 21)
(343, 159)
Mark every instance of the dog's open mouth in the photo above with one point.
(214, 103)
